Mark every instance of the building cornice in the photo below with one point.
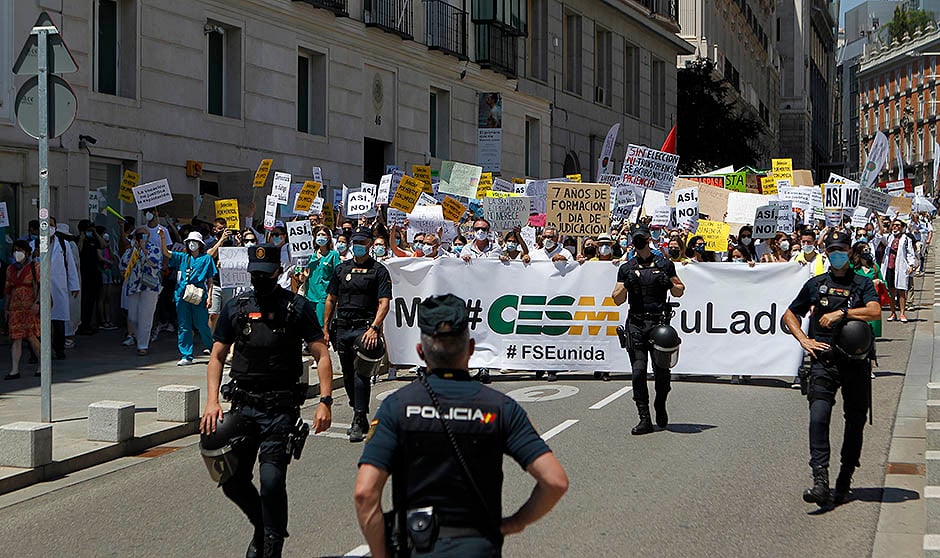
(648, 21)
(880, 58)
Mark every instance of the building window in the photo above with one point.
(933, 103)
(897, 113)
(919, 156)
(572, 40)
(439, 124)
(224, 76)
(658, 93)
(603, 77)
(910, 76)
(115, 60)
(631, 79)
(533, 143)
(311, 92)
(538, 40)
(897, 82)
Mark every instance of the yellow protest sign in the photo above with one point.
(573, 177)
(328, 218)
(261, 175)
(306, 196)
(494, 194)
(128, 183)
(715, 234)
(782, 169)
(453, 209)
(422, 173)
(228, 210)
(485, 184)
(409, 190)
(768, 186)
(518, 180)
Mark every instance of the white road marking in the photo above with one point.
(361, 550)
(611, 398)
(332, 425)
(558, 429)
(384, 394)
(549, 392)
(328, 434)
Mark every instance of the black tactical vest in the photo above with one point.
(358, 292)
(267, 348)
(647, 285)
(833, 296)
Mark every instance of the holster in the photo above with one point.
(396, 544)
(625, 341)
(297, 438)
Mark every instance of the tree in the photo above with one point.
(714, 130)
(905, 21)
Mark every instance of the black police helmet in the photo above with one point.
(376, 352)
(228, 430)
(855, 338)
(664, 337)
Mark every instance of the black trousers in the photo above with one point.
(58, 338)
(91, 290)
(639, 353)
(266, 441)
(358, 389)
(854, 378)
(166, 304)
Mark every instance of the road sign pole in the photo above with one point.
(45, 306)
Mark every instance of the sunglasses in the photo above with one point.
(481, 229)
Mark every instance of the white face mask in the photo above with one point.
(149, 216)
(808, 248)
(511, 246)
(548, 244)
(746, 240)
(604, 250)
(427, 248)
(19, 257)
(250, 244)
(193, 246)
(480, 235)
(784, 245)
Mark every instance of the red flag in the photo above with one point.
(669, 146)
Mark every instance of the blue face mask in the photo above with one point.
(322, 240)
(378, 251)
(276, 239)
(456, 249)
(512, 246)
(88, 234)
(358, 250)
(340, 247)
(839, 259)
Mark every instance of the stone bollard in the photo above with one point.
(110, 421)
(25, 444)
(931, 546)
(933, 435)
(932, 503)
(178, 403)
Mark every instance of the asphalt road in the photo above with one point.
(724, 480)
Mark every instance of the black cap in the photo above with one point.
(637, 230)
(838, 239)
(442, 315)
(361, 233)
(265, 258)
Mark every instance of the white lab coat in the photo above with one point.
(63, 278)
(906, 258)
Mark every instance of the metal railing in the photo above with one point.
(446, 28)
(496, 49)
(338, 7)
(391, 16)
(667, 8)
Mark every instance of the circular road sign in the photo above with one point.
(63, 106)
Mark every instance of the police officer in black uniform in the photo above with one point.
(357, 302)
(644, 283)
(267, 325)
(841, 302)
(447, 501)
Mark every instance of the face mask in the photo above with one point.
(144, 237)
(624, 243)
(107, 237)
(699, 249)
(640, 242)
(88, 234)
(322, 240)
(784, 245)
(808, 248)
(589, 251)
(512, 246)
(149, 216)
(193, 245)
(427, 249)
(359, 250)
(548, 244)
(604, 250)
(378, 251)
(746, 240)
(340, 247)
(263, 284)
(276, 239)
(456, 248)
(250, 244)
(839, 259)
(737, 260)
(656, 233)
(673, 252)
(480, 235)
(19, 257)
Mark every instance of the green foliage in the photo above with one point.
(904, 21)
(712, 130)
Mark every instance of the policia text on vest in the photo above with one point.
(268, 327)
(442, 440)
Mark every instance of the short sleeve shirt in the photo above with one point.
(859, 290)
(307, 327)
(191, 270)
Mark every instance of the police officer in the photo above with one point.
(644, 283)
(442, 439)
(839, 299)
(357, 302)
(266, 325)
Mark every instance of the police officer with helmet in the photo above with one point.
(357, 302)
(841, 346)
(442, 439)
(644, 282)
(267, 325)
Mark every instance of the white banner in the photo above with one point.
(559, 316)
(603, 162)
(877, 156)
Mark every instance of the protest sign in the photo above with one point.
(578, 209)
(895, 187)
(840, 196)
(715, 234)
(716, 181)
(782, 183)
(537, 191)
(784, 209)
(461, 181)
(859, 217)
(662, 216)
(686, 206)
(385, 185)
(495, 194)
(270, 212)
(427, 199)
(329, 215)
(798, 195)
(753, 184)
(152, 194)
(838, 179)
(316, 207)
(506, 213)
(393, 184)
(406, 195)
(574, 177)
(624, 199)
(422, 173)
(308, 193)
(765, 222)
(537, 220)
(741, 206)
(228, 210)
(736, 182)
(261, 175)
(280, 189)
(528, 235)
(486, 183)
(93, 205)
(317, 174)
(649, 168)
(453, 209)
(233, 267)
(359, 201)
(903, 205)
(815, 203)
(128, 182)
(4, 215)
(426, 219)
(802, 177)
(833, 217)
(300, 239)
(501, 185)
(782, 169)
(768, 186)
(712, 202)
(395, 217)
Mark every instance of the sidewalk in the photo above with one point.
(97, 369)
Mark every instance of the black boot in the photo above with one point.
(645, 426)
(819, 494)
(843, 485)
(256, 546)
(662, 417)
(356, 432)
(273, 546)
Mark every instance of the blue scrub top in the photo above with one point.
(192, 271)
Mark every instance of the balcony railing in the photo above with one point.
(496, 49)
(338, 7)
(666, 9)
(446, 28)
(391, 16)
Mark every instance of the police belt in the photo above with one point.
(646, 316)
(264, 399)
(350, 323)
(446, 532)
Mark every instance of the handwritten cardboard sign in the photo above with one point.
(407, 194)
(228, 210)
(128, 182)
(580, 210)
(261, 175)
(153, 194)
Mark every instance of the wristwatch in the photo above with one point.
(327, 400)
(845, 312)
(375, 328)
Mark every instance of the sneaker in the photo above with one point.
(169, 328)
(69, 344)
(185, 362)
(109, 327)
(206, 352)
(129, 341)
